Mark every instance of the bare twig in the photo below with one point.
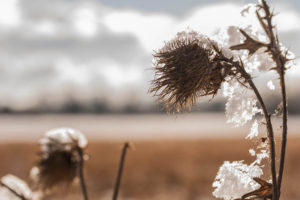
(13, 191)
(81, 175)
(120, 171)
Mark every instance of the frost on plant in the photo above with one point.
(262, 151)
(262, 154)
(62, 139)
(254, 131)
(235, 179)
(271, 85)
(252, 152)
(232, 35)
(241, 106)
(12, 188)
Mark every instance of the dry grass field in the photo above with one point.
(158, 170)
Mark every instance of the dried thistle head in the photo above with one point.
(60, 156)
(187, 67)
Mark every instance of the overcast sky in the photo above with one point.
(51, 50)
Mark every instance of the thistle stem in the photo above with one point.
(13, 191)
(284, 133)
(268, 124)
(81, 175)
(120, 171)
(270, 136)
(280, 61)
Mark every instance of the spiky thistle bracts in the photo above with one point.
(190, 66)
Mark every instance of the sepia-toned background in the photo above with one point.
(87, 64)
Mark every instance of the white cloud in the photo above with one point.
(287, 17)
(85, 22)
(72, 72)
(209, 19)
(45, 28)
(287, 21)
(151, 30)
(9, 13)
(118, 76)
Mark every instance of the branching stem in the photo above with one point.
(280, 61)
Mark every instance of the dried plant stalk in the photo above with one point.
(270, 137)
(120, 171)
(81, 174)
(280, 59)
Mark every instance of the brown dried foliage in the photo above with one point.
(249, 44)
(264, 192)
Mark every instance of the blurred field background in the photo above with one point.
(173, 157)
(160, 170)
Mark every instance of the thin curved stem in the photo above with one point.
(284, 133)
(120, 171)
(270, 136)
(268, 125)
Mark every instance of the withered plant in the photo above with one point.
(62, 160)
(193, 65)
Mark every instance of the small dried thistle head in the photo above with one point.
(61, 153)
(189, 66)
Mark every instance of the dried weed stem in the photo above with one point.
(81, 175)
(280, 60)
(120, 171)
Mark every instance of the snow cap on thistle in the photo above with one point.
(187, 67)
(60, 154)
(13, 188)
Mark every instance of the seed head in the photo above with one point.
(187, 67)
(60, 155)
